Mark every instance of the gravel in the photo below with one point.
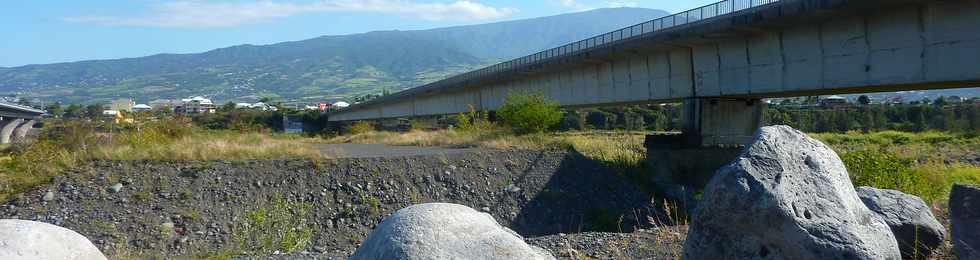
(661, 243)
(188, 208)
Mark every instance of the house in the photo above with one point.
(341, 104)
(832, 102)
(123, 104)
(264, 107)
(141, 108)
(195, 105)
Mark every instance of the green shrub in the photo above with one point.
(473, 120)
(932, 181)
(529, 113)
(879, 169)
(246, 127)
(360, 127)
(154, 133)
(276, 226)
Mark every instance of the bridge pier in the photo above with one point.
(7, 127)
(20, 133)
(714, 133)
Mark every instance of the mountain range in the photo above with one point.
(322, 68)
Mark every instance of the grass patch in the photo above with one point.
(214, 145)
(63, 145)
(621, 149)
(277, 226)
(923, 164)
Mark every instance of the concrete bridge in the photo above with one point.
(720, 60)
(16, 121)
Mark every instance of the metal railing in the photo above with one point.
(635, 31)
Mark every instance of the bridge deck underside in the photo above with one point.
(933, 44)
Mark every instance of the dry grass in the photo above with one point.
(616, 147)
(214, 145)
(27, 166)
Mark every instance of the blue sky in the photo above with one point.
(47, 31)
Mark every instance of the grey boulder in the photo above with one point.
(444, 231)
(787, 196)
(910, 219)
(22, 239)
(964, 214)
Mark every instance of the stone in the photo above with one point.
(116, 188)
(787, 196)
(444, 231)
(48, 196)
(22, 239)
(964, 214)
(512, 188)
(910, 219)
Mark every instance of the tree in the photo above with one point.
(265, 100)
(75, 111)
(864, 100)
(917, 118)
(55, 110)
(94, 111)
(972, 115)
(529, 113)
(601, 119)
(228, 106)
(572, 120)
(939, 102)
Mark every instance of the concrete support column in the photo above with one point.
(722, 122)
(8, 126)
(20, 134)
(713, 134)
(391, 124)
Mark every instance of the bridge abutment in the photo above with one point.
(714, 133)
(8, 127)
(20, 133)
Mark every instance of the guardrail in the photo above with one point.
(635, 31)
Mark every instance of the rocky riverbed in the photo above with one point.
(324, 209)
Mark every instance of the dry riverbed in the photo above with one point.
(324, 209)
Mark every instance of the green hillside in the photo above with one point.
(323, 68)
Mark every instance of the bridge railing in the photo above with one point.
(639, 30)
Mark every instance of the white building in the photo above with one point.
(141, 108)
(195, 105)
(833, 102)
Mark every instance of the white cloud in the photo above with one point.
(201, 14)
(621, 4)
(573, 4)
(579, 6)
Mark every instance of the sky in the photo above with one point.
(49, 31)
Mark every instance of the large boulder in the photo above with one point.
(964, 214)
(910, 219)
(22, 239)
(444, 231)
(787, 196)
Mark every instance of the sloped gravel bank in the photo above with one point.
(322, 209)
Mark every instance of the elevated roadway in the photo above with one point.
(721, 59)
(16, 121)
